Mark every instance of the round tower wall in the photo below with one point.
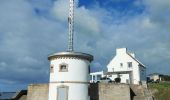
(75, 91)
(69, 76)
(77, 70)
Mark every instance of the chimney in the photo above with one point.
(121, 50)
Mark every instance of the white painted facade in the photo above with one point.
(128, 67)
(156, 77)
(75, 79)
(96, 76)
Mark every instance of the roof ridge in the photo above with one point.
(135, 59)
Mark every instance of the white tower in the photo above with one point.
(69, 71)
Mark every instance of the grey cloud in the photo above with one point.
(84, 20)
(26, 41)
(141, 35)
(159, 11)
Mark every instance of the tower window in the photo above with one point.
(121, 65)
(129, 64)
(51, 68)
(63, 68)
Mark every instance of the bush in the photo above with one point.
(118, 80)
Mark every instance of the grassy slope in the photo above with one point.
(161, 91)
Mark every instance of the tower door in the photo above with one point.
(62, 93)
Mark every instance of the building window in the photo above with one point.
(51, 68)
(129, 64)
(98, 77)
(91, 77)
(121, 65)
(63, 68)
(113, 69)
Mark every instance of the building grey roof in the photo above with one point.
(142, 65)
(154, 74)
(6, 95)
(71, 54)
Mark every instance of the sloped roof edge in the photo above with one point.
(142, 65)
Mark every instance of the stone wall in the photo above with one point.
(24, 97)
(109, 91)
(97, 91)
(37, 92)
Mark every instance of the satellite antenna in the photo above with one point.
(71, 25)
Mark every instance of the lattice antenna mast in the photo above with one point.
(71, 25)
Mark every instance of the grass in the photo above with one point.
(161, 91)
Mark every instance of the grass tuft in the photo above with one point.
(161, 91)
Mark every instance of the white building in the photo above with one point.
(96, 76)
(156, 77)
(127, 67)
(69, 76)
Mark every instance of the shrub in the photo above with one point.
(117, 80)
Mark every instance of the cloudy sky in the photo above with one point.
(30, 30)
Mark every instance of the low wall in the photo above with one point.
(37, 92)
(109, 91)
(97, 91)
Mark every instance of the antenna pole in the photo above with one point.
(71, 25)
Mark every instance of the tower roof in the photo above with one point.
(71, 54)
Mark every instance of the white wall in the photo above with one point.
(75, 91)
(124, 58)
(76, 78)
(123, 77)
(154, 77)
(93, 76)
(78, 70)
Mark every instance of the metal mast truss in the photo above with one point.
(71, 25)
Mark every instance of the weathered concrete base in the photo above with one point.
(97, 91)
(140, 92)
(109, 91)
(38, 92)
